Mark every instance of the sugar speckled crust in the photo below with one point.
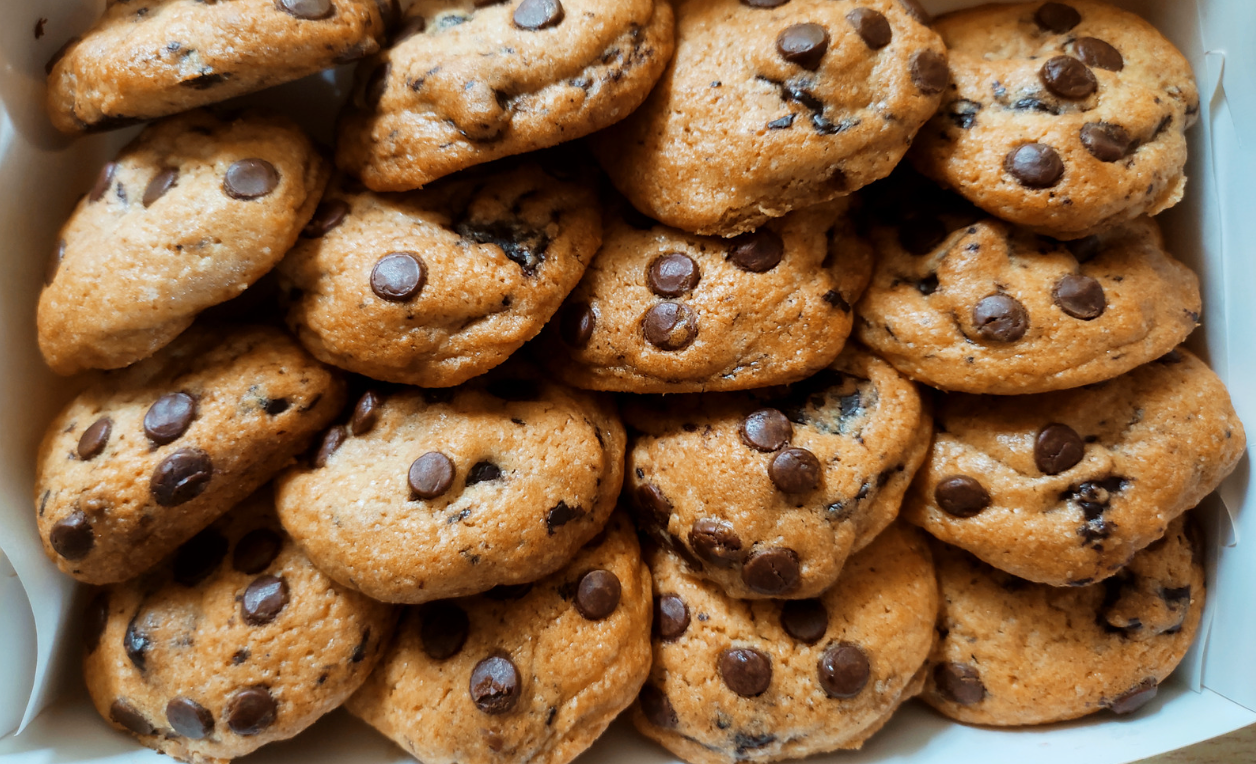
(150, 58)
(735, 135)
(576, 674)
(795, 716)
(1043, 654)
(535, 471)
(185, 632)
(1148, 446)
(133, 268)
(753, 329)
(259, 399)
(999, 100)
(501, 250)
(465, 84)
(690, 463)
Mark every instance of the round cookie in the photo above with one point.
(533, 674)
(146, 457)
(816, 99)
(430, 494)
(1065, 118)
(468, 82)
(663, 311)
(150, 58)
(235, 642)
(437, 286)
(1064, 488)
(192, 212)
(763, 681)
(768, 493)
(1014, 652)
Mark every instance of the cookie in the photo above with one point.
(768, 493)
(145, 458)
(468, 82)
(437, 286)
(816, 99)
(524, 674)
(663, 311)
(1064, 488)
(1014, 652)
(235, 642)
(433, 494)
(189, 214)
(1064, 118)
(967, 302)
(151, 58)
(763, 681)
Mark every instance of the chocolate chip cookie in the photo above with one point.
(437, 286)
(145, 458)
(662, 311)
(235, 642)
(1065, 118)
(432, 494)
(815, 99)
(467, 82)
(769, 680)
(768, 493)
(532, 673)
(1014, 652)
(1064, 488)
(192, 212)
(151, 58)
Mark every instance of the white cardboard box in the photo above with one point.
(1213, 230)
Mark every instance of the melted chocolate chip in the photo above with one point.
(844, 670)
(1057, 17)
(774, 571)
(871, 26)
(309, 10)
(1068, 78)
(431, 475)
(803, 44)
(672, 275)
(805, 620)
(1034, 165)
(264, 599)
(333, 439)
(597, 594)
(398, 276)
(95, 621)
(1135, 698)
(443, 629)
(103, 181)
(670, 325)
(767, 430)
(256, 551)
(189, 718)
(482, 472)
(559, 515)
(795, 470)
(714, 541)
(538, 14)
(746, 671)
(365, 414)
(671, 617)
(1000, 318)
(169, 417)
(1057, 448)
(655, 706)
(94, 439)
(327, 216)
(495, 685)
(650, 499)
(576, 324)
(758, 251)
(200, 557)
(251, 711)
(125, 714)
(1080, 296)
(162, 182)
(72, 537)
(961, 496)
(181, 477)
(959, 683)
(929, 72)
(1105, 141)
(1099, 54)
(250, 178)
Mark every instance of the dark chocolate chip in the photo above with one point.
(803, 44)
(844, 670)
(1068, 78)
(670, 325)
(795, 470)
(1000, 318)
(54, 262)
(758, 251)
(189, 718)
(805, 620)
(169, 417)
(672, 275)
(961, 496)
(767, 430)
(715, 541)
(774, 571)
(1099, 54)
(597, 594)
(256, 551)
(94, 439)
(1058, 448)
(181, 477)
(655, 706)
(746, 671)
(1034, 165)
(250, 178)
(538, 14)
(365, 414)
(264, 599)
(1105, 141)
(959, 683)
(72, 537)
(1057, 17)
(125, 714)
(276, 406)
(1080, 296)
(333, 439)
(495, 685)
(872, 26)
(135, 644)
(671, 617)
(431, 475)
(559, 515)
(650, 498)
(359, 650)
(836, 300)
(104, 181)
(576, 323)
(443, 629)
(327, 216)
(1135, 698)
(95, 620)
(482, 472)
(162, 182)
(197, 559)
(310, 10)
(398, 276)
(929, 72)
(251, 711)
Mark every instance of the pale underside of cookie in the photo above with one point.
(737, 680)
(816, 99)
(188, 216)
(663, 311)
(151, 58)
(1064, 118)
(534, 674)
(1013, 652)
(145, 458)
(437, 286)
(235, 642)
(767, 494)
(1064, 488)
(467, 82)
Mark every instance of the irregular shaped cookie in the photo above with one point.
(144, 459)
(467, 82)
(235, 642)
(438, 286)
(816, 99)
(150, 58)
(662, 311)
(1066, 118)
(1064, 488)
(443, 493)
(768, 493)
(1014, 652)
(532, 673)
(764, 681)
(190, 214)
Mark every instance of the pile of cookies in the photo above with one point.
(614, 361)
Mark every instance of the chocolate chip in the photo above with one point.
(773, 571)
(327, 216)
(805, 620)
(95, 621)
(199, 557)
(871, 26)
(162, 182)
(256, 551)
(376, 84)
(443, 629)
(1099, 54)
(264, 599)
(576, 323)
(1058, 448)
(135, 644)
(1034, 165)
(250, 178)
(836, 300)
(758, 251)
(365, 414)
(803, 44)
(671, 617)
(495, 685)
(103, 181)
(276, 406)
(125, 714)
(767, 430)
(650, 498)
(959, 683)
(359, 650)
(431, 475)
(333, 439)
(1057, 17)
(672, 275)
(181, 477)
(72, 537)
(1068, 78)
(597, 594)
(538, 14)
(169, 417)
(795, 470)
(844, 670)
(250, 711)
(1135, 698)
(655, 706)
(929, 72)
(1105, 141)
(309, 10)
(1080, 296)
(94, 439)
(1000, 318)
(961, 496)
(189, 718)
(670, 325)
(398, 276)
(482, 472)
(764, 3)
(54, 262)
(559, 515)
(916, 11)
(715, 541)
(746, 671)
